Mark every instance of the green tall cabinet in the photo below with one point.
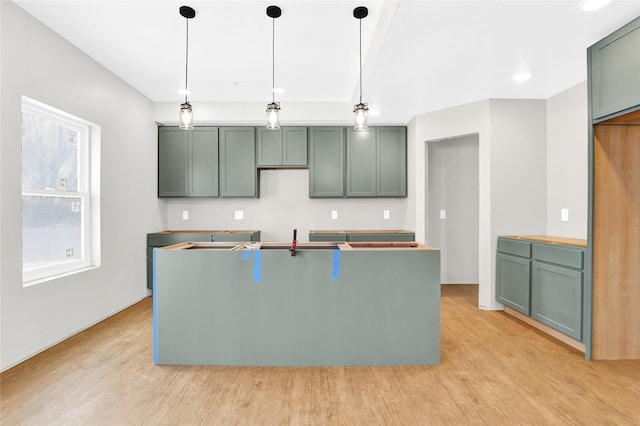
(187, 162)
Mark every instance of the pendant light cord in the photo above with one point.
(360, 59)
(273, 60)
(186, 67)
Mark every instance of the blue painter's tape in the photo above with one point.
(155, 308)
(335, 273)
(246, 255)
(257, 265)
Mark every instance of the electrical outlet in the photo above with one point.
(386, 214)
(239, 215)
(185, 214)
(564, 215)
(334, 214)
(443, 214)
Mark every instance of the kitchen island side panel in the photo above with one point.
(266, 307)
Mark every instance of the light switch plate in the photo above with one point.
(239, 215)
(443, 214)
(334, 214)
(185, 214)
(564, 215)
(386, 214)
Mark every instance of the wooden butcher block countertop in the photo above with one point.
(577, 242)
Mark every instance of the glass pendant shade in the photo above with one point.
(186, 116)
(360, 113)
(273, 116)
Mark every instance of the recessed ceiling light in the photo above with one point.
(523, 76)
(589, 5)
(278, 90)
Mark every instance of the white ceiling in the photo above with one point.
(419, 55)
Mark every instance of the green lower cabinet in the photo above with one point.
(513, 282)
(556, 294)
(381, 236)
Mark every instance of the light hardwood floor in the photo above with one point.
(494, 370)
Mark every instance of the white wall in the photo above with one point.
(37, 63)
(284, 204)
(452, 188)
(512, 172)
(567, 150)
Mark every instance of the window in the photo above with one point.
(56, 201)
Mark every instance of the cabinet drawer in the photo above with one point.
(514, 247)
(170, 239)
(325, 236)
(380, 236)
(560, 255)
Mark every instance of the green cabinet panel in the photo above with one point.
(377, 162)
(361, 163)
(173, 162)
(238, 173)
(285, 147)
(513, 282)
(557, 298)
(326, 161)
(187, 162)
(391, 162)
(560, 255)
(204, 162)
(614, 64)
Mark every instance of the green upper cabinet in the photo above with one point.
(286, 147)
(391, 162)
(361, 163)
(204, 162)
(614, 64)
(326, 161)
(187, 162)
(377, 162)
(238, 172)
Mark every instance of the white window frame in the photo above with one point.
(52, 270)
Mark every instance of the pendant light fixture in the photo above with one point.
(186, 112)
(273, 109)
(361, 110)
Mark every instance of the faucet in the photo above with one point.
(294, 243)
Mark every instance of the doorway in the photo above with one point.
(452, 198)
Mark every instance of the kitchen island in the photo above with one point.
(324, 304)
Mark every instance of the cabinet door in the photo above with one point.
(269, 147)
(294, 146)
(173, 162)
(615, 71)
(361, 163)
(557, 298)
(326, 162)
(238, 172)
(513, 282)
(391, 162)
(204, 162)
